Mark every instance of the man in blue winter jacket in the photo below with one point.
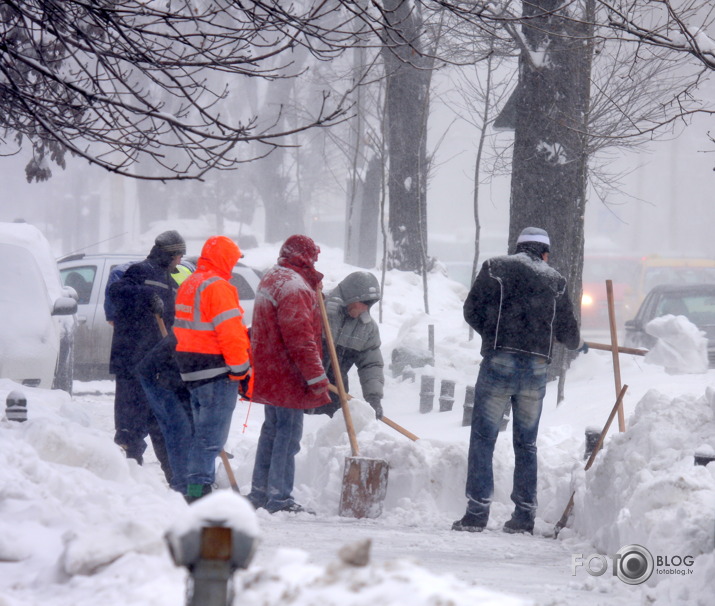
(519, 305)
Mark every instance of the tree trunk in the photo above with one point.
(550, 162)
(405, 101)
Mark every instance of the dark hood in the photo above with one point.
(358, 286)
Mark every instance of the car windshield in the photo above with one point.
(698, 308)
(655, 276)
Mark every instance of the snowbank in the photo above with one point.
(681, 348)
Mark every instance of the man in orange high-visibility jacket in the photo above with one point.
(213, 353)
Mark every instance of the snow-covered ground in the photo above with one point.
(79, 524)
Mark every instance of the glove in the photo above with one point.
(156, 305)
(320, 388)
(374, 401)
(245, 389)
(583, 348)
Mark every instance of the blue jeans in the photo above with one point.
(175, 425)
(506, 378)
(274, 470)
(134, 420)
(212, 405)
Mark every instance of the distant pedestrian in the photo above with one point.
(357, 339)
(286, 337)
(213, 354)
(145, 291)
(519, 305)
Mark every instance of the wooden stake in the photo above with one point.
(614, 351)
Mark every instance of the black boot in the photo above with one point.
(519, 524)
(471, 522)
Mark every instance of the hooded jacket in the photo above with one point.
(519, 303)
(286, 331)
(212, 340)
(357, 340)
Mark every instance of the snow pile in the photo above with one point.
(77, 516)
(292, 581)
(644, 487)
(69, 496)
(426, 477)
(682, 348)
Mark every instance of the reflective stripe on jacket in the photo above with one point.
(211, 338)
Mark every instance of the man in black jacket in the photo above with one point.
(519, 305)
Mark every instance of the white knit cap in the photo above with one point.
(533, 234)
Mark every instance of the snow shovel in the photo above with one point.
(364, 480)
(567, 512)
(224, 457)
(229, 472)
(384, 419)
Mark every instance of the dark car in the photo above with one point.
(694, 301)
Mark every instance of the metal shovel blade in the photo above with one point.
(364, 487)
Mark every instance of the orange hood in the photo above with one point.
(220, 254)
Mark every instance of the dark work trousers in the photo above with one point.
(134, 421)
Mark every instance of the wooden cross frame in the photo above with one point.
(615, 350)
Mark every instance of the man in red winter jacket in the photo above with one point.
(289, 377)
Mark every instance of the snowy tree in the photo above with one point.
(127, 83)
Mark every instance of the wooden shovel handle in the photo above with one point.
(399, 428)
(384, 419)
(624, 350)
(342, 394)
(162, 326)
(229, 472)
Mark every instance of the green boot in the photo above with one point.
(195, 491)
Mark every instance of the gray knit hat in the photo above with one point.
(171, 242)
(534, 234)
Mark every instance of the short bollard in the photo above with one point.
(592, 435)
(211, 554)
(426, 393)
(16, 407)
(704, 458)
(468, 406)
(446, 395)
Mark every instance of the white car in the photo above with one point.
(37, 318)
(88, 274)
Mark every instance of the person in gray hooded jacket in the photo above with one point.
(357, 339)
